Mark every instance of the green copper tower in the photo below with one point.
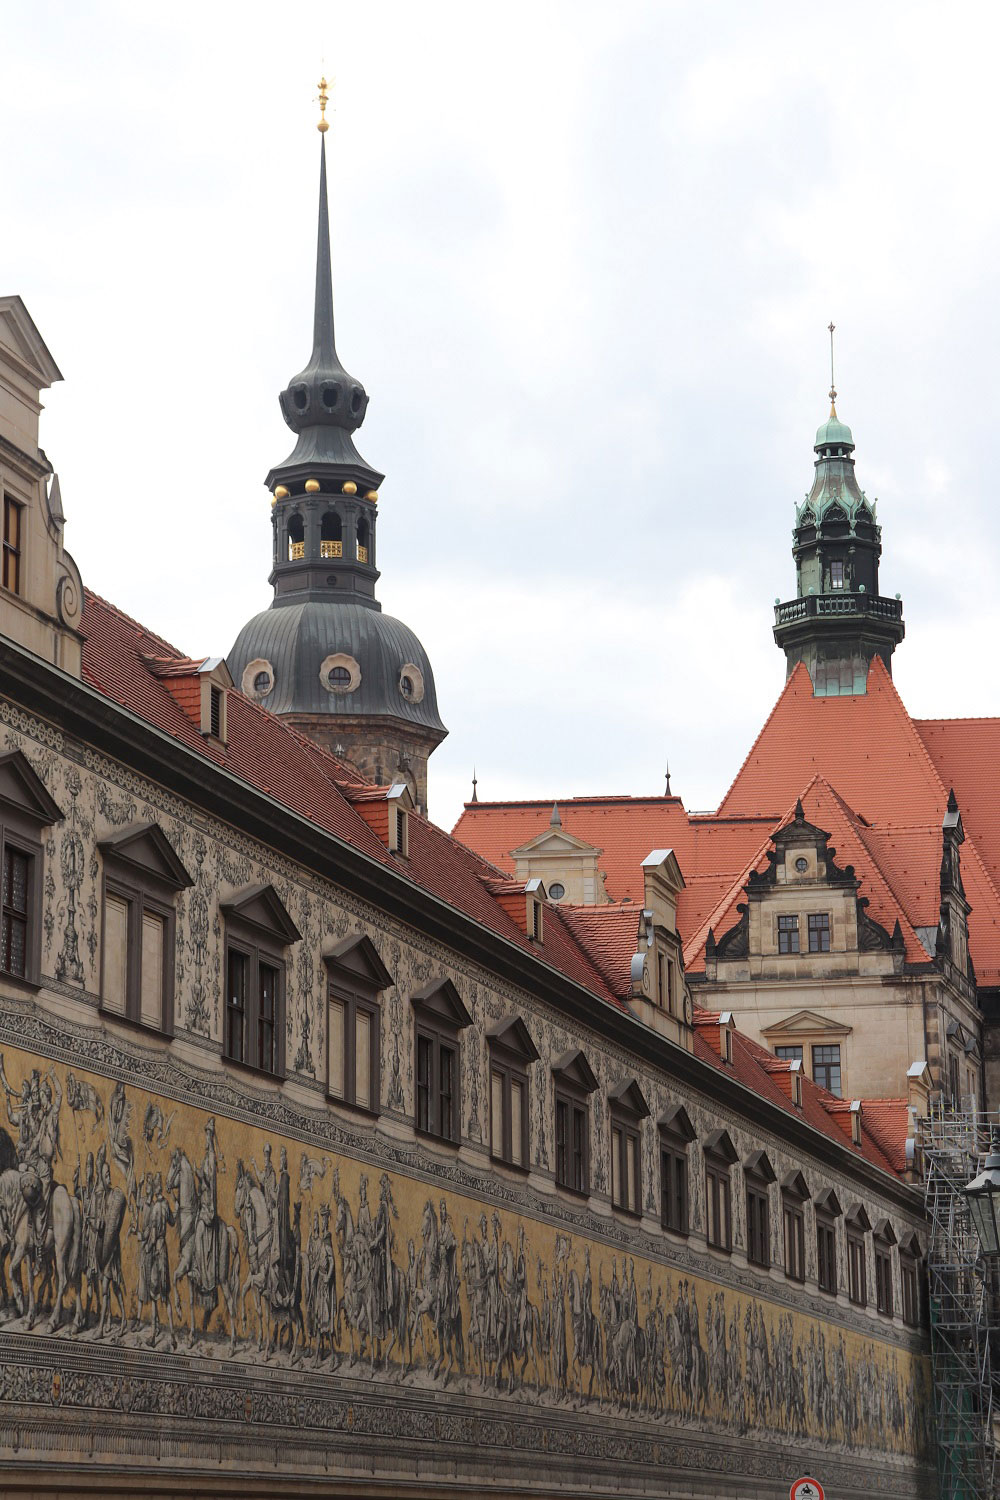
(838, 621)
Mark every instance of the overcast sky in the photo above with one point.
(584, 260)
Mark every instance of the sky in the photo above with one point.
(584, 259)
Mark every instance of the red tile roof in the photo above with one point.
(591, 946)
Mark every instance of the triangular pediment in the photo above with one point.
(758, 1164)
(828, 1203)
(513, 1036)
(795, 1185)
(440, 998)
(806, 1023)
(675, 1121)
(21, 338)
(146, 850)
(885, 1232)
(556, 843)
(356, 959)
(858, 1219)
(22, 789)
(629, 1096)
(575, 1070)
(719, 1144)
(260, 907)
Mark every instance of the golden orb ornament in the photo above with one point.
(349, 487)
(312, 486)
(372, 495)
(281, 493)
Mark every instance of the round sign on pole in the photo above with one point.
(807, 1489)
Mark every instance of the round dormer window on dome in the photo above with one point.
(411, 682)
(258, 679)
(340, 673)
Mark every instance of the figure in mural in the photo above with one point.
(256, 1219)
(122, 1149)
(83, 1098)
(311, 1170)
(156, 1129)
(355, 1262)
(209, 1257)
(321, 1297)
(154, 1265)
(105, 1217)
(588, 1343)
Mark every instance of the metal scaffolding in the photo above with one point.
(963, 1303)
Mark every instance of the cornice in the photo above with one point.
(89, 715)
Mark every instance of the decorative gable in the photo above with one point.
(146, 851)
(573, 1068)
(357, 959)
(23, 792)
(758, 1164)
(805, 1024)
(513, 1036)
(719, 1144)
(261, 908)
(675, 1121)
(440, 998)
(628, 1096)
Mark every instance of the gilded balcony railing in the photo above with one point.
(362, 553)
(331, 549)
(296, 550)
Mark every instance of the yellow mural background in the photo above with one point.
(872, 1365)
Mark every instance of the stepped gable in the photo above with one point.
(826, 809)
(277, 760)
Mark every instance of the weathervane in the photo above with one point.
(833, 390)
(323, 101)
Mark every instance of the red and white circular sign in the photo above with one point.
(807, 1489)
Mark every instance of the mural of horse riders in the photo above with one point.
(353, 1300)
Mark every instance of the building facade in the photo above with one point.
(337, 1161)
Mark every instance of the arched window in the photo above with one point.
(296, 539)
(362, 540)
(331, 536)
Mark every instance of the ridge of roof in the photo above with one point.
(133, 624)
(792, 680)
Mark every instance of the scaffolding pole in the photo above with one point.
(963, 1302)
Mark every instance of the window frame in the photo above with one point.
(510, 1052)
(675, 1136)
(758, 1174)
(787, 933)
(139, 900)
(627, 1108)
(573, 1084)
(356, 977)
(26, 808)
(259, 930)
(719, 1158)
(883, 1240)
(13, 551)
(825, 1064)
(794, 1196)
(826, 1251)
(911, 1282)
(838, 583)
(821, 929)
(857, 1226)
(439, 1019)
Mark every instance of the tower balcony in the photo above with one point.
(814, 606)
(331, 549)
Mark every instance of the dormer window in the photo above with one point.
(13, 516)
(536, 921)
(214, 677)
(399, 820)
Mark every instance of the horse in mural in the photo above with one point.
(438, 1295)
(61, 1244)
(222, 1263)
(588, 1339)
(284, 1309)
(355, 1259)
(519, 1323)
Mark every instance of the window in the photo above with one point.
(511, 1052)
(789, 1052)
(142, 876)
(557, 890)
(826, 1068)
(400, 804)
(628, 1110)
(819, 932)
(857, 1261)
(13, 515)
(258, 931)
(909, 1280)
(673, 1185)
(953, 1080)
(356, 977)
(794, 1193)
(665, 982)
(339, 678)
(440, 1017)
(758, 1174)
(535, 932)
(16, 905)
(406, 686)
(826, 1250)
(836, 575)
(574, 1082)
(788, 934)
(883, 1243)
(719, 1157)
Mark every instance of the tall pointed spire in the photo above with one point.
(324, 348)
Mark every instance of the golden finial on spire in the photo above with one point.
(323, 101)
(833, 392)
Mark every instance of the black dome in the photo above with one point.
(297, 640)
